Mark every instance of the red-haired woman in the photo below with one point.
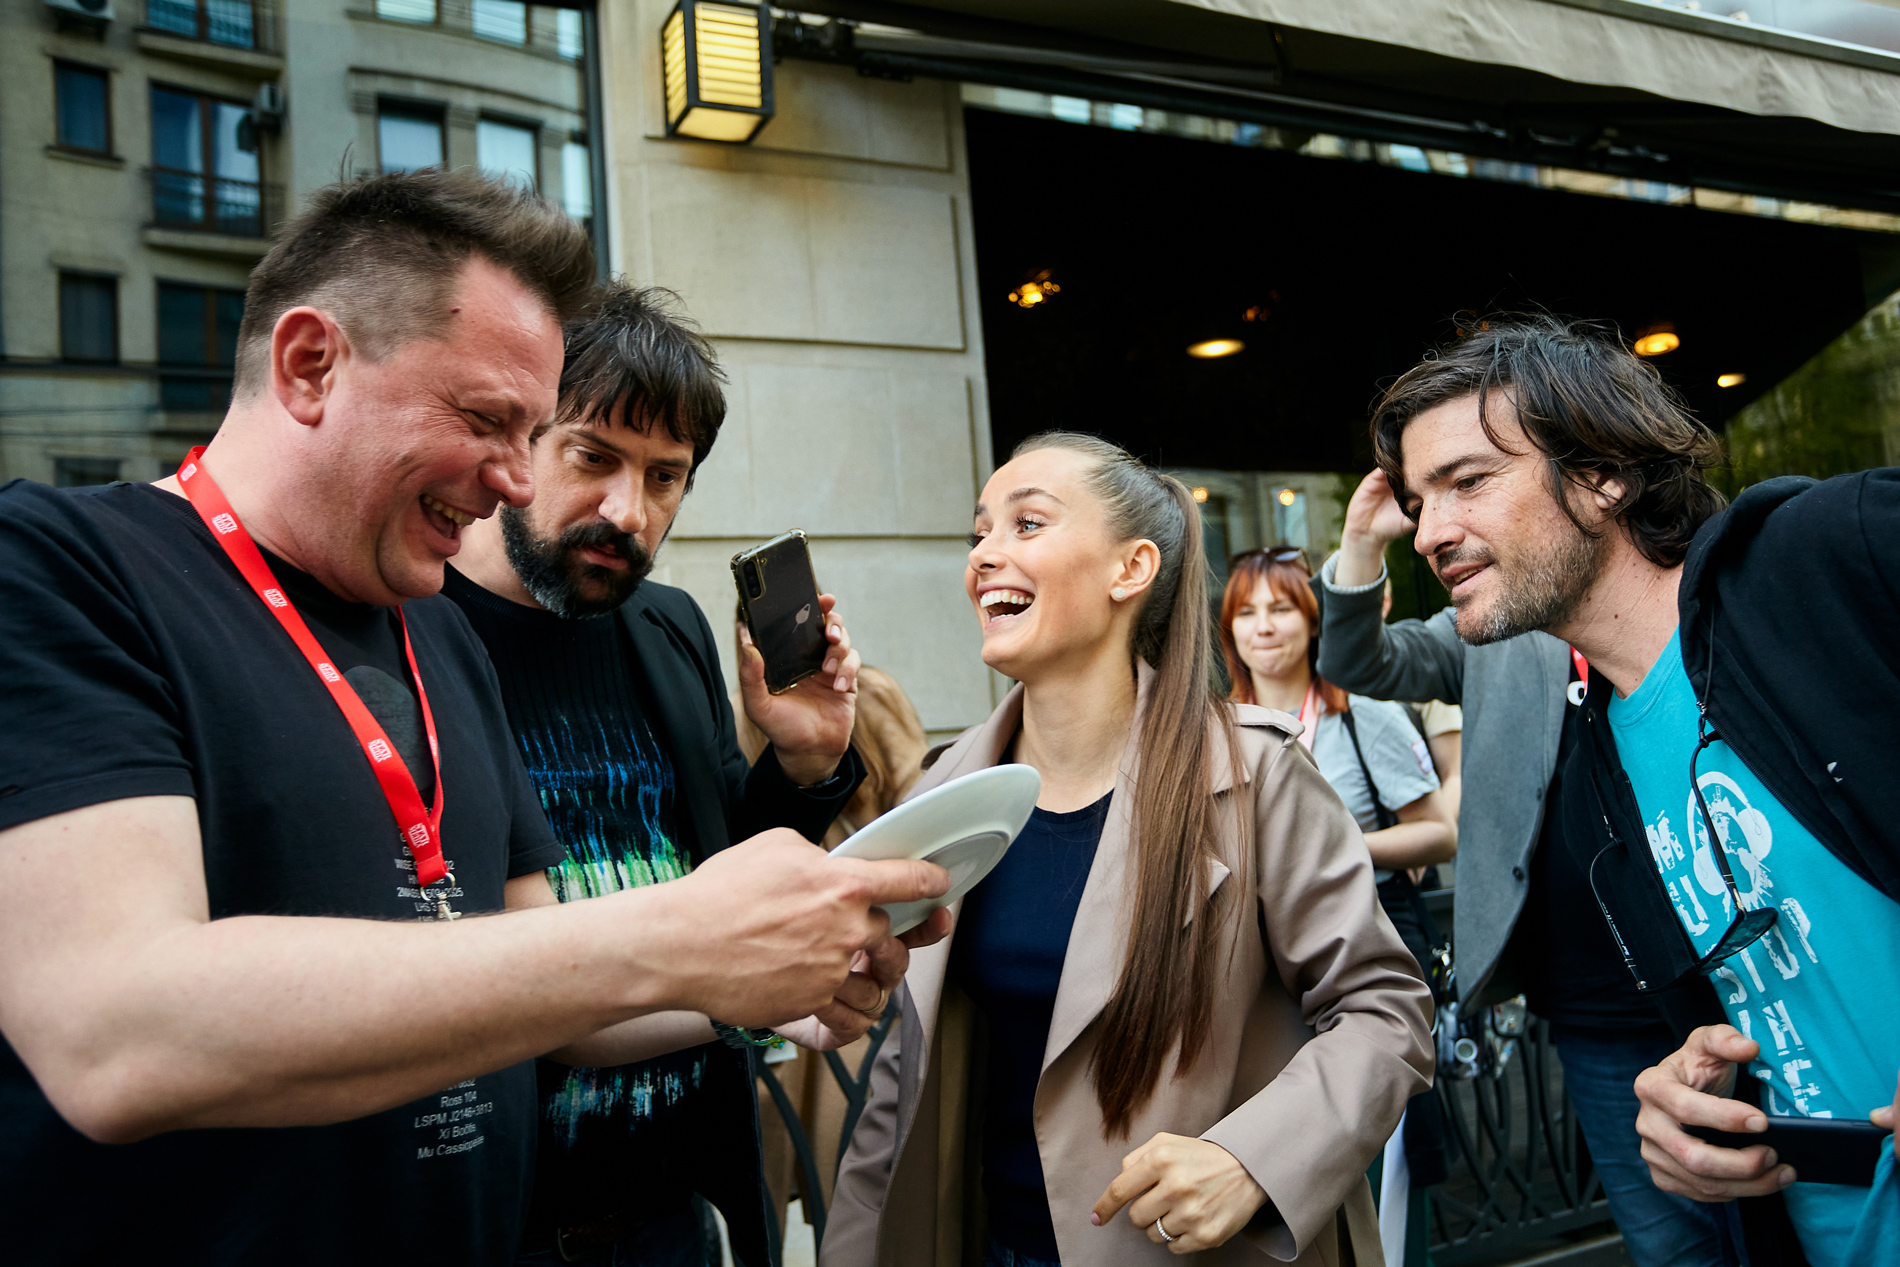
(1171, 1021)
(1378, 763)
(1269, 633)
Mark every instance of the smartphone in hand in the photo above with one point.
(778, 597)
(1839, 1150)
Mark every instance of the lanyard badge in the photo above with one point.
(419, 825)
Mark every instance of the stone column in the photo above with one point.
(831, 263)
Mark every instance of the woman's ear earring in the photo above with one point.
(1118, 593)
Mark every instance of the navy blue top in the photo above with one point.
(1012, 936)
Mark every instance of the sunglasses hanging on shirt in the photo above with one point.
(1748, 926)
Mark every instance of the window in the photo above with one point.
(506, 150)
(408, 137)
(231, 22)
(577, 180)
(418, 11)
(82, 117)
(88, 318)
(84, 472)
(197, 345)
(505, 21)
(201, 177)
(567, 34)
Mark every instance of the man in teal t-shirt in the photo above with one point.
(1805, 991)
(1558, 485)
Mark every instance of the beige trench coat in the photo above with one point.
(1321, 1032)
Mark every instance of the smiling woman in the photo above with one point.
(1182, 863)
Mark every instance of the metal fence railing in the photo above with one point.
(1521, 1177)
(855, 1084)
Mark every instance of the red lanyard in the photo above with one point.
(421, 828)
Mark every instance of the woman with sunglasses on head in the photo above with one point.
(1373, 756)
(1171, 1021)
(1270, 636)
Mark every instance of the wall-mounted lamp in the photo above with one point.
(1288, 497)
(1730, 380)
(1211, 348)
(1200, 494)
(718, 70)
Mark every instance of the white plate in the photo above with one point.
(965, 826)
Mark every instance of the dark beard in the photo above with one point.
(554, 574)
(1539, 592)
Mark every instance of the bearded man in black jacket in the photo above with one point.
(613, 691)
(1744, 678)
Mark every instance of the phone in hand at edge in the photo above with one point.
(1841, 1150)
(778, 596)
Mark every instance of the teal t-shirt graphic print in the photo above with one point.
(1814, 991)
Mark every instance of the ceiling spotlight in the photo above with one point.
(1208, 349)
(1034, 291)
(1730, 380)
(1288, 497)
(1656, 340)
(1200, 494)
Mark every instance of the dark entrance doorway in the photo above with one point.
(1349, 272)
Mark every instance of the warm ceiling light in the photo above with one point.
(1730, 380)
(1034, 291)
(717, 75)
(1210, 348)
(1656, 342)
(1200, 494)
(1288, 497)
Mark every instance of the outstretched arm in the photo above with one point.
(139, 1014)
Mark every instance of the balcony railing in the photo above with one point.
(212, 204)
(247, 24)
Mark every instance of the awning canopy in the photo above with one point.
(1622, 86)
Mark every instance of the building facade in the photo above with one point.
(148, 147)
(841, 261)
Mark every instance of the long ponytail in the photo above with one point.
(1165, 996)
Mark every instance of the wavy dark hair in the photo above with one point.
(1164, 1000)
(635, 358)
(1589, 405)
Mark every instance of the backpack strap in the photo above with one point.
(1385, 817)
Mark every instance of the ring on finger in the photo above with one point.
(1164, 1231)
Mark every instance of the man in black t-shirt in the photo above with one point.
(229, 1039)
(613, 688)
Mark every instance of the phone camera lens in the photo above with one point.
(754, 580)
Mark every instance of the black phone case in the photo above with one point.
(1821, 1149)
(787, 627)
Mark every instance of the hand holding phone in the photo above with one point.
(1840, 1150)
(778, 597)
